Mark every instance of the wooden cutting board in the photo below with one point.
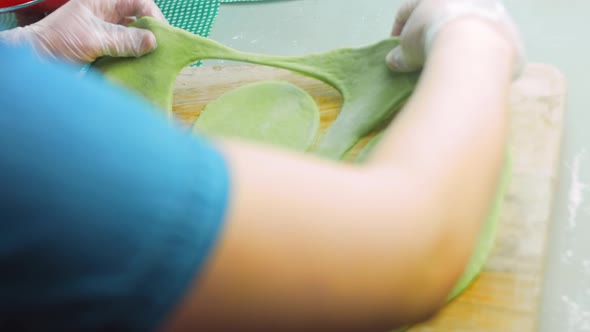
(506, 296)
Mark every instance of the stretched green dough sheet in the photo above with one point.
(485, 240)
(272, 112)
(371, 92)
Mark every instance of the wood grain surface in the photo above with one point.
(506, 296)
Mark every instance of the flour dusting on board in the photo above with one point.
(578, 319)
(578, 188)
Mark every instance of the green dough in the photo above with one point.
(371, 92)
(269, 112)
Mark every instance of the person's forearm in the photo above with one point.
(314, 245)
(452, 133)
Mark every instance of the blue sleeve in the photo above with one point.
(107, 211)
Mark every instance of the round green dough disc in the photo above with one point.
(485, 241)
(273, 112)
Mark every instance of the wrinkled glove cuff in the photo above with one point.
(495, 15)
(25, 36)
(16, 36)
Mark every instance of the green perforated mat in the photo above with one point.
(7, 21)
(196, 16)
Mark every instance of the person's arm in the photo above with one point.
(313, 245)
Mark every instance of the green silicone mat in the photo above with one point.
(196, 16)
(7, 21)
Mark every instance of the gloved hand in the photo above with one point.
(419, 21)
(83, 30)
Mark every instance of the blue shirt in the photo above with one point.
(107, 211)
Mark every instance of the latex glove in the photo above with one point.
(83, 30)
(419, 21)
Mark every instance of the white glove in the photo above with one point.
(419, 21)
(83, 30)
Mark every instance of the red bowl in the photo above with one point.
(30, 11)
(47, 6)
(29, 7)
(12, 5)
